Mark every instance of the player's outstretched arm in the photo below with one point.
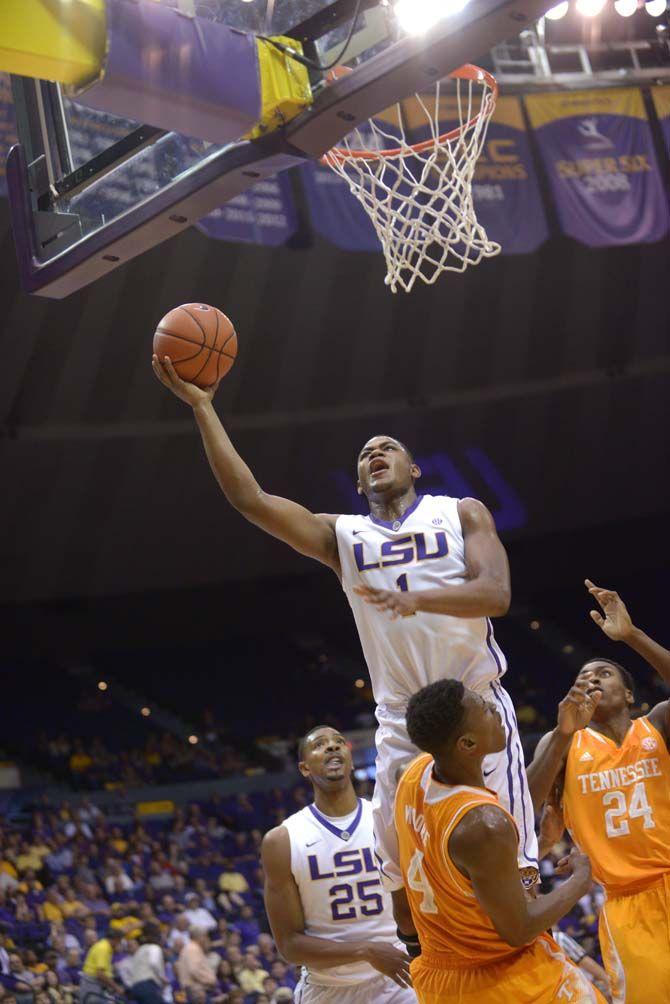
(487, 591)
(616, 623)
(484, 848)
(574, 712)
(306, 532)
(287, 921)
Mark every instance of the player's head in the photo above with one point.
(454, 723)
(385, 468)
(615, 684)
(325, 758)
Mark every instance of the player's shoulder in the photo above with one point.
(483, 827)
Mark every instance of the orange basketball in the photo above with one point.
(200, 341)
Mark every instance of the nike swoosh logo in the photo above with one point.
(313, 842)
(356, 532)
(487, 772)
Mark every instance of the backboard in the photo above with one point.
(88, 190)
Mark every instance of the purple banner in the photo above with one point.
(7, 126)
(265, 214)
(661, 96)
(598, 149)
(505, 190)
(335, 213)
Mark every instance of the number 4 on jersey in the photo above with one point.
(417, 881)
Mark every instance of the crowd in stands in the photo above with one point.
(73, 880)
(92, 764)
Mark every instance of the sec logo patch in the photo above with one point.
(649, 743)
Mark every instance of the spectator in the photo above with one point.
(123, 965)
(51, 908)
(71, 906)
(148, 971)
(117, 881)
(197, 915)
(233, 885)
(97, 976)
(180, 933)
(252, 975)
(194, 972)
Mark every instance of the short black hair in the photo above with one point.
(395, 440)
(302, 745)
(628, 681)
(435, 713)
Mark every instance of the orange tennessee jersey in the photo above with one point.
(616, 803)
(453, 929)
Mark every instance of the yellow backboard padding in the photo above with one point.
(285, 87)
(61, 40)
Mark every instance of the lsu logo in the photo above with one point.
(649, 743)
(413, 547)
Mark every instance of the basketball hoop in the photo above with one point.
(419, 195)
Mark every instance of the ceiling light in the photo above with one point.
(102, 685)
(625, 8)
(193, 740)
(590, 8)
(655, 7)
(559, 11)
(360, 684)
(417, 16)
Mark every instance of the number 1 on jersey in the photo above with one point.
(401, 582)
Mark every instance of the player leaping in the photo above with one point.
(612, 775)
(423, 575)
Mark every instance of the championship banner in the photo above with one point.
(598, 150)
(7, 127)
(335, 213)
(661, 97)
(265, 214)
(505, 190)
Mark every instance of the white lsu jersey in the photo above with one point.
(340, 886)
(424, 549)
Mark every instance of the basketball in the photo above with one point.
(200, 341)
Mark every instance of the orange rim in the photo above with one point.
(466, 72)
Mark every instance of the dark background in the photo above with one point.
(539, 383)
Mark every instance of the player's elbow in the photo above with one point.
(501, 597)
(515, 935)
(288, 948)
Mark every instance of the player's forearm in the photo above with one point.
(651, 652)
(234, 477)
(544, 769)
(545, 911)
(482, 597)
(321, 953)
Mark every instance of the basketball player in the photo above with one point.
(323, 895)
(482, 937)
(423, 575)
(613, 777)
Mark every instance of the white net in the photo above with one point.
(419, 195)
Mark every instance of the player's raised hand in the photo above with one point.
(397, 604)
(576, 709)
(187, 392)
(390, 961)
(616, 623)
